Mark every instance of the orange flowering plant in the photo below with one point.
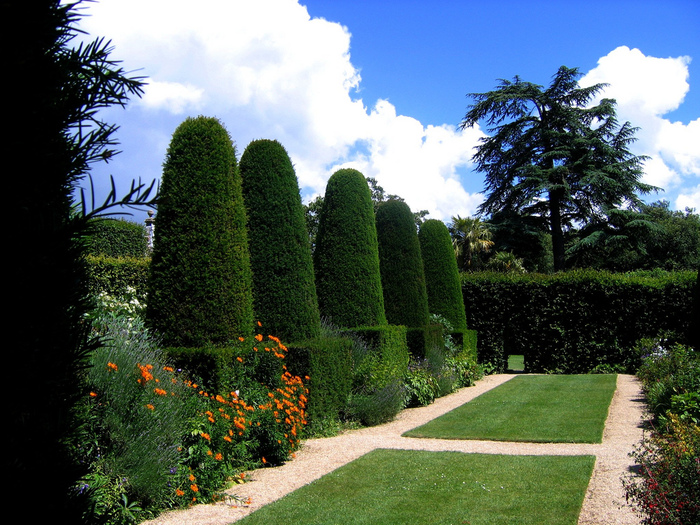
(156, 438)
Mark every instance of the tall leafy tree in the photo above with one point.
(56, 90)
(554, 154)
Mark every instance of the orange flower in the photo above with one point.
(192, 478)
(206, 436)
(194, 488)
(241, 339)
(150, 407)
(259, 337)
(264, 460)
(168, 369)
(93, 394)
(160, 391)
(226, 438)
(219, 456)
(112, 366)
(259, 323)
(239, 359)
(179, 492)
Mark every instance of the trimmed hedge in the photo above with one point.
(401, 266)
(576, 321)
(441, 273)
(346, 257)
(327, 362)
(284, 292)
(114, 275)
(200, 289)
(387, 355)
(117, 238)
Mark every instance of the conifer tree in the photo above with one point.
(346, 258)
(284, 291)
(441, 273)
(401, 265)
(200, 288)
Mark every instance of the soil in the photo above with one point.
(604, 502)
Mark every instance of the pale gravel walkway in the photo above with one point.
(604, 503)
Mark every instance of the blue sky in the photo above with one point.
(381, 85)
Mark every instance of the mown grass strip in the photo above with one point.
(531, 408)
(410, 486)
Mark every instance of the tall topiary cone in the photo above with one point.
(284, 291)
(200, 288)
(441, 273)
(346, 258)
(403, 280)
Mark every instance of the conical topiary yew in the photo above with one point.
(200, 289)
(284, 291)
(441, 273)
(346, 257)
(401, 266)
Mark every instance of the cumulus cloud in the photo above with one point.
(267, 69)
(174, 97)
(647, 89)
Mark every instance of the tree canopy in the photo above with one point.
(554, 154)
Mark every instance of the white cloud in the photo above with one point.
(646, 90)
(266, 69)
(689, 199)
(174, 97)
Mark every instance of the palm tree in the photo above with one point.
(470, 236)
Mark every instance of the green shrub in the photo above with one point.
(284, 292)
(134, 432)
(380, 360)
(117, 275)
(670, 376)
(346, 257)
(401, 266)
(117, 238)
(200, 289)
(378, 405)
(667, 488)
(441, 274)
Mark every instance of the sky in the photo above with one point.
(382, 85)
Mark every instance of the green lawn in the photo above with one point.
(516, 362)
(536, 408)
(418, 487)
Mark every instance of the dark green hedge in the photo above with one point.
(441, 273)
(284, 292)
(117, 238)
(200, 289)
(401, 265)
(327, 362)
(114, 275)
(574, 321)
(346, 258)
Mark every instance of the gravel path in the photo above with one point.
(604, 502)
